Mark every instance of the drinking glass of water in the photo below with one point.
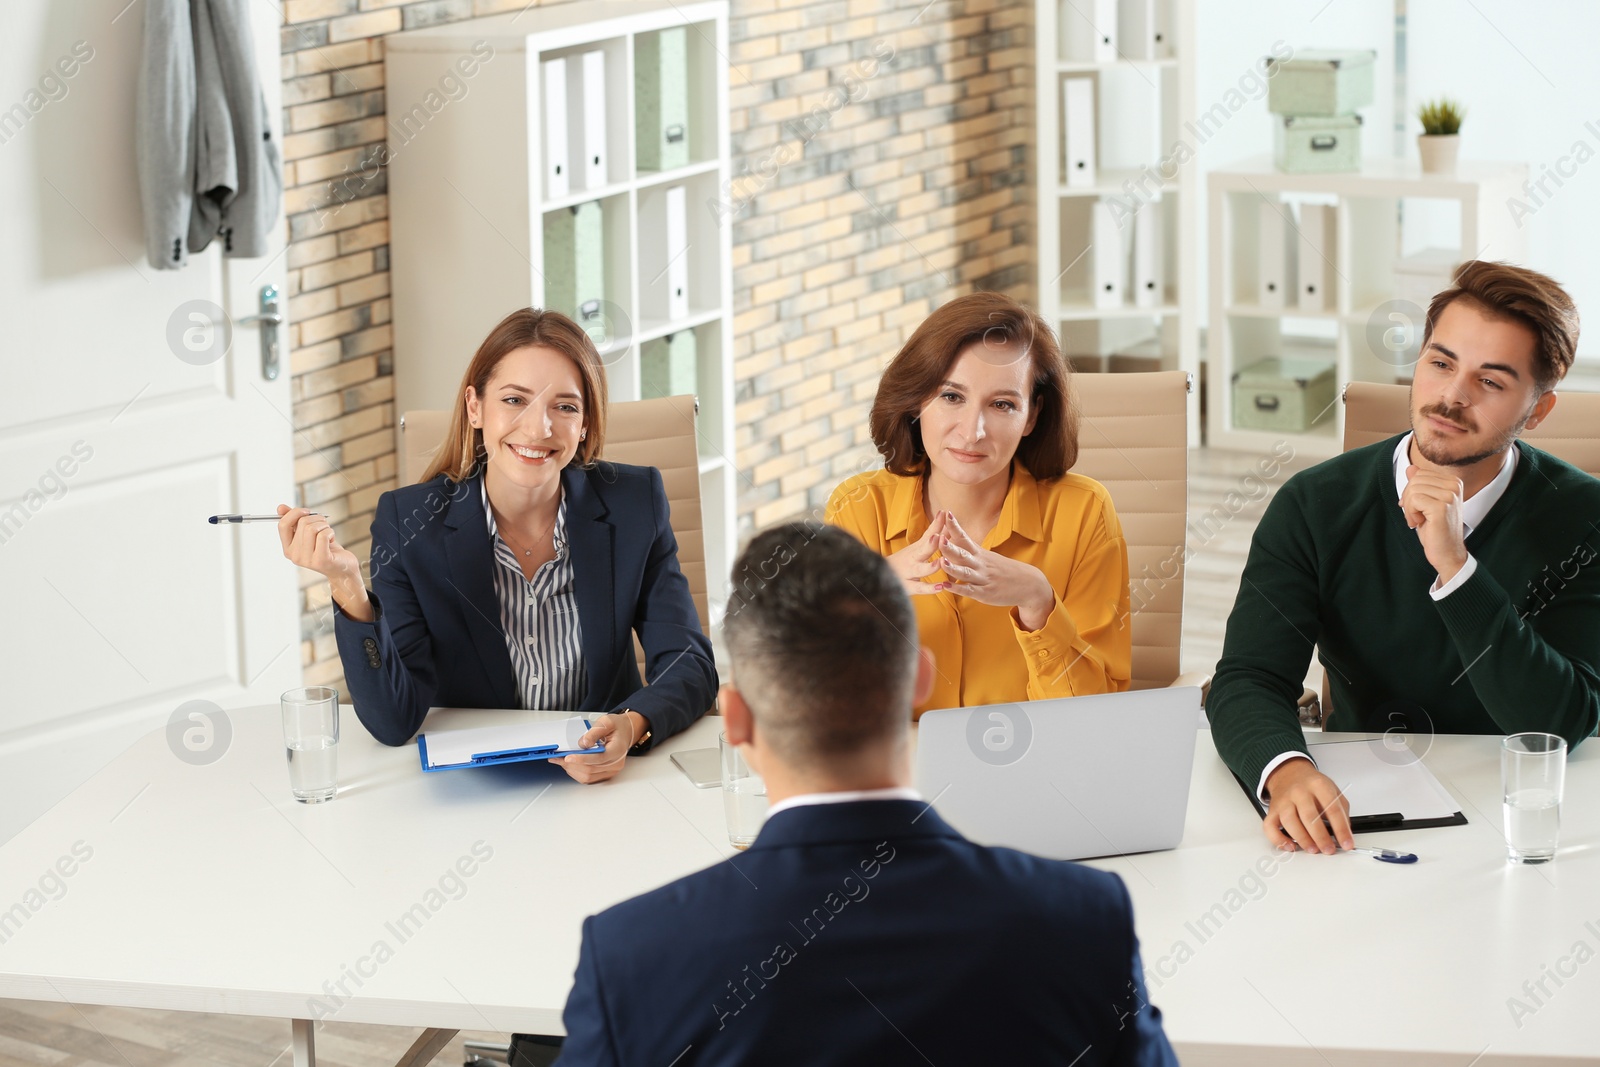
(311, 738)
(744, 796)
(1533, 767)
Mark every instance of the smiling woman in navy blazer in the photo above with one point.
(516, 573)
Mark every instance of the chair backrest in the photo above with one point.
(1375, 411)
(1133, 438)
(658, 433)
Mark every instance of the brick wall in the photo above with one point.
(882, 167)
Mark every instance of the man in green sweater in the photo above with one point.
(1446, 576)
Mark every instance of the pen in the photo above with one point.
(1388, 855)
(215, 519)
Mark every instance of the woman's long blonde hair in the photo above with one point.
(462, 450)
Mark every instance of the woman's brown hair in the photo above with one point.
(919, 370)
(462, 450)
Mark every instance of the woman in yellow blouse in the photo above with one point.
(1018, 567)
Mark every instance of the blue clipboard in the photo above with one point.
(519, 754)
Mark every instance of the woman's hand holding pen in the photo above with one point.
(309, 541)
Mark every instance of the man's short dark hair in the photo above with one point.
(823, 642)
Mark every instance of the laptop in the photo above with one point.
(1067, 778)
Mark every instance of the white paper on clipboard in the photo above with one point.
(1379, 776)
(454, 747)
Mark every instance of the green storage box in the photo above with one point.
(661, 98)
(1284, 394)
(1317, 144)
(1320, 82)
(574, 262)
(667, 366)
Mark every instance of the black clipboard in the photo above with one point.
(1365, 824)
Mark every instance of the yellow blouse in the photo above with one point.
(1069, 530)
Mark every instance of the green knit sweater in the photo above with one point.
(1516, 647)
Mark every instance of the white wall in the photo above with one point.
(1524, 69)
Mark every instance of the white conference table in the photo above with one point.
(207, 888)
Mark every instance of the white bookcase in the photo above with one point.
(1371, 329)
(1144, 109)
(470, 202)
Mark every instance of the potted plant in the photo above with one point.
(1440, 140)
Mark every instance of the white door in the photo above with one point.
(123, 426)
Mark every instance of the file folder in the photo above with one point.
(557, 172)
(485, 746)
(1077, 110)
(677, 253)
(1275, 265)
(1105, 31)
(593, 68)
(1316, 252)
(574, 261)
(1110, 258)
(661, 95)
(1140, 31)
(667, 366)
(1149, 289)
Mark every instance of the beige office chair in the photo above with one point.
(1374, 412)
(1133, 439)
(658, 433)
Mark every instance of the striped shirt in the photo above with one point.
(540, 620)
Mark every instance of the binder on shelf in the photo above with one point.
(557, 171)
(1316, 253)
(574, 262)
(1110, 261)
(1143, 29)
(661, 98)
(1105, 31)
(667, 366)
(1148, 239)
(677, 253)
(593, 73)
(1276, 260)
(1077, 110)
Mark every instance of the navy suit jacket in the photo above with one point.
(866, 933)
(437, 640)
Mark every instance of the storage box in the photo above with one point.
(667, 366)
(1320, 82)
(1284, 394)
(661, 94)
(574, 263)
(1317, 144)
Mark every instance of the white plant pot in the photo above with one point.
(1438, 151)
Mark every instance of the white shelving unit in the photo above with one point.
(469, 205)
(1144, 109)
(1356, 334)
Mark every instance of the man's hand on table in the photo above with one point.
(1300, 797)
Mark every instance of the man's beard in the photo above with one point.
(1440, 459)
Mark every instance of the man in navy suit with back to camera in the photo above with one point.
(859, 928)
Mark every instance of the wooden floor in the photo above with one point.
(34, 1034)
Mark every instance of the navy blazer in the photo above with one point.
(867, 933)
(437, 641)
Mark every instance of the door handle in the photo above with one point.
(270, 318)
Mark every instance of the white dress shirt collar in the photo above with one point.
(843, 797)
